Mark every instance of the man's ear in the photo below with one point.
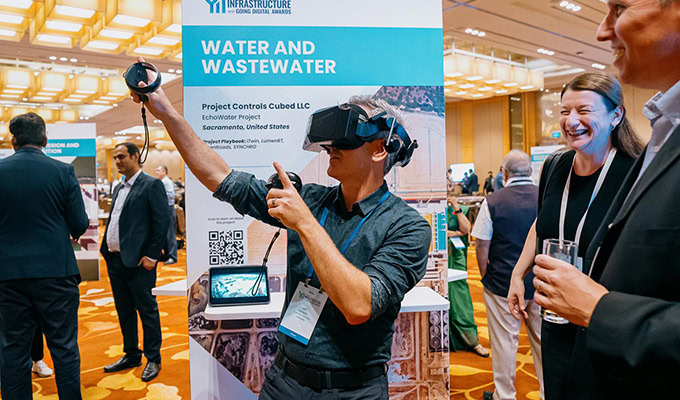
(14, 143)
(378, 151)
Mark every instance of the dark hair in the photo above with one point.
(132, 149)
(164, 168)
(623, 136)
(28, 129)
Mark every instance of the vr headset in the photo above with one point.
(348, 127)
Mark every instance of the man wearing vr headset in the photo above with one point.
(366, 245)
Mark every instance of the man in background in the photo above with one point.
(498, 183)
(42, 210)
(473, 182)
(501, 228)
(488, 184)
(132, 244)
(162, 174)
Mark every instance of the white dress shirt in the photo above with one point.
(663, 112)
(169, 190)
(483, 228)
(113, 233)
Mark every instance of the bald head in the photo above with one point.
(517, 163)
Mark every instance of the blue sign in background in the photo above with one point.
(363, 56)
(71, 148)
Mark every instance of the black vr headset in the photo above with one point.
(348, 127)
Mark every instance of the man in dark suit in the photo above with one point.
(473, 182)
(42, 209)
(631, 306)
(132, 245)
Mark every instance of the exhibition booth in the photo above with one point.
(247, 75)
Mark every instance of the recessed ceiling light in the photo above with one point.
(466, 86)
(53, 58)
(527, 87)
(98, 44)
(171, 70)
(74, 11)
(11, 19)
(24, 4)
(132, 21)
(6, 32)
(74, 60)
(63, 26)
(446, 90)
(163, 41)
(454, 74)
(116, 34)
(484, 89)
(460, 93)
(475, 78)
(476, 95)
(179, 71)
(148, 50)
(63, 59)
(511, 84)
(54, 39)
(501, 91)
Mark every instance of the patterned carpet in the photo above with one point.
(101, 343)
(471, 375)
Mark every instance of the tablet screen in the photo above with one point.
(238, 285)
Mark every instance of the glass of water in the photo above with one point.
(563, 250)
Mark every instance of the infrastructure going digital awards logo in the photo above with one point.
(249, 6)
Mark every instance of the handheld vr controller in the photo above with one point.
(136, 73)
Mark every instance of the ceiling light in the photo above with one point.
(527, 87)
(492, 81)
(467, 86)
(564, 3)
(54, 39)
(9, 96)
(171, 70)
(46, 94)
(484, 89)
(454, 74)
(116, 34)
(69, 100)
(501, 91)
(41, 98)
(569, 6)
(132, 21)
(80, 96)
(510, 84)
(468, 30)
(63, 26)
(11, 19)
(53, 58)
(475, 32)
(148, 50)
(5, 32)
(576, 8)
(460, 93)
(598, 66)
(482, 34)
(100, 102)
(449, 83)
(163, 41)
(13, 91)
(63, 59)
(74, 11)
(24, 4)
(446, 90)
(98, 44)
(176, 28)
(74, 60)
(476, 95)
(109, 98)
(179, 56)
(475, 78)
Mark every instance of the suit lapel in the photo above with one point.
(133, 189)
(669, 152)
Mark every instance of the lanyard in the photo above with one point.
(565, 196)
(324, 216)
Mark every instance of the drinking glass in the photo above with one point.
(564, 250)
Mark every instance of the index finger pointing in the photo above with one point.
(287, 184)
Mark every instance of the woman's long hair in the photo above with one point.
(623, 136)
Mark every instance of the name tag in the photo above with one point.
(303, 313)
(457, 242)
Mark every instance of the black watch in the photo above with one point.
(458, 211)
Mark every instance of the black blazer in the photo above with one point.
(631, 349)
(41, 208)
(143, 224)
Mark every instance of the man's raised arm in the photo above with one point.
(204, 163)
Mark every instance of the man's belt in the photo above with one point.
(316, 379)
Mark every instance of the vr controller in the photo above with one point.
(348, 127)
(137, 73)
(274, 181)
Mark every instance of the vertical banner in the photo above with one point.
(75, 144)
(254, 71)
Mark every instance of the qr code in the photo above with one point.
(225, 247)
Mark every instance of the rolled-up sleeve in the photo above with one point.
(247, 194)
(399, 264)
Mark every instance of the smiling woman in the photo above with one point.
(576, 189)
